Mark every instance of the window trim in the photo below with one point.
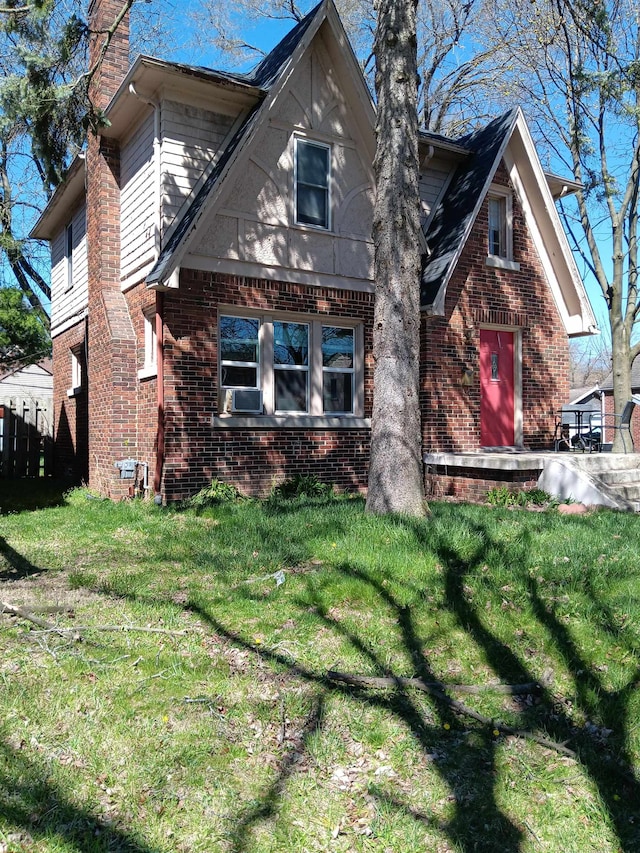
(78, 370)
(504, 261)
(149, 368)
(298, 142)
(267, 370)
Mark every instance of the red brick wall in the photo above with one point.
(479, 296)
(474, 484)
(71, 420)
(111, 356)
(252, 459)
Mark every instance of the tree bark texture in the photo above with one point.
(396, 474)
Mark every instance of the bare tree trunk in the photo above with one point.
(395, 475)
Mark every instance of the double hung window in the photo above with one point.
(78, 370)
(498, 226)
(312, 179)
(500, 229)
(338, 349)
(291, 366)
(239, 352)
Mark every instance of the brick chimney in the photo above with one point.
(111, 356)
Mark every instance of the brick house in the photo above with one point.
(212, 277)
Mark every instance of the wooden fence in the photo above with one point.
(26, 437)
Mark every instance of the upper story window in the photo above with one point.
(296, 368)
(498, 226)
(500, 229)
(312, 179)
(68, 254)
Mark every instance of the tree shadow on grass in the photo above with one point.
(465, 753)
(476, 809)
(609, 765)
(293, 761)
(468, 765)
(13, 566)
(34, 810)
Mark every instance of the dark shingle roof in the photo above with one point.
(607, 383)
(457, 210)
(263, 76)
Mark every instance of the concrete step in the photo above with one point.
(619, 477)
(629, 491)
(595, 463)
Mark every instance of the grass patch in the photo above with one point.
(183, 702)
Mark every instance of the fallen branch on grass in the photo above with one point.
(438, 691)
(434, 687)
(24, 614)
(28, 616)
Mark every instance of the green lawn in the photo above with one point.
(176, 696)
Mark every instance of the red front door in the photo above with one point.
(497, 388)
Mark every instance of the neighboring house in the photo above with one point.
(212, 277)
(26, 420)
(33, 381)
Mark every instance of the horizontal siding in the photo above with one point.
(137, 201)
(191, 137)
(68, 303)
(30, 380)
(432, 182)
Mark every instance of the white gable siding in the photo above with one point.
(68, 303)
(191, 136)
(30, 381)
(138, 203)
(433, 182)
(254, 228)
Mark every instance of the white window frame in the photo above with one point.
(300, 369)
(504, 260)
(266, 369)
(227, 388)
(149, 368)
(300, 142)
(329, 370)
(78, 377)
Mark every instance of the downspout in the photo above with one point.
(157, 188)
(157, 478)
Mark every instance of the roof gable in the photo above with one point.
(271, 74)
(506, 139)
(456, 213)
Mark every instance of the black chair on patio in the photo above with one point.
(622, 422)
